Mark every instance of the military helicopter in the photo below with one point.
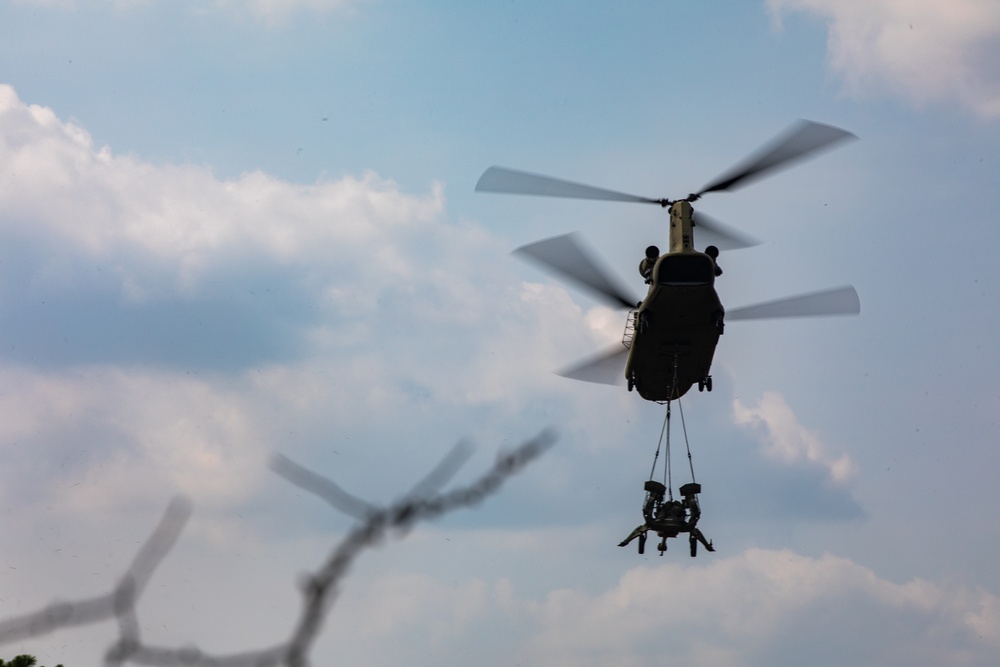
(671, 335)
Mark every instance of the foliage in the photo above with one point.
(23, 660)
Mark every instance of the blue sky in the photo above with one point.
(232, 228)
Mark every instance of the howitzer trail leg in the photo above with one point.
(639, 532)
(697, 535)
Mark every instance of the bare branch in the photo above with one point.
(320, 486)
(119, 602)
(443, 471)
(422, 503)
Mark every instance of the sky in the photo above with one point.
(231, 229)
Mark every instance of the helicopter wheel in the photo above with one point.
(701, 385)
(708, 383)
(631, 383)
(694, 546)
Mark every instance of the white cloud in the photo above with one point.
(162, 227)
(762, 608)
(395, 602)
(110, 259)
(785, 440)
(921, 50)
(606, 323)
(758, 607)
(103, 438)
(124, 282)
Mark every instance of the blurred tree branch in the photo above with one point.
(423, 502)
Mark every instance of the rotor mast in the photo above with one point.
(681, 226)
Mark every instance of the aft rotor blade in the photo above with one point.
(564, 255)
(838, 301)
(719, 234)
(605, 368)
(801, 140)
(501, 179)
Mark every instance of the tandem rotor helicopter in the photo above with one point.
(671, 335)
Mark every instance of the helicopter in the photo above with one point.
(670, 336)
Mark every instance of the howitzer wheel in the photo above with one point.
(652, 486)
(689, 489)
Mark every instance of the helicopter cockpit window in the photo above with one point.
(686, 269)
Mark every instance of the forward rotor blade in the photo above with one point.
(605, 368)
(802, 139)
(719, 234)
(501, 179)
(564, 255)
(838, 301)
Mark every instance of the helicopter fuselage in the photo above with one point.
(675, 329)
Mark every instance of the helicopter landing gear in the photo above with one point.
(631, 382)
(705, 383)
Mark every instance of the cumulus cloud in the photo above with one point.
(921, 50)
(759, 607)
(787, 441)
(101, 438)
(59, 187)
(163, 324)
(109, 258)
(765, 607)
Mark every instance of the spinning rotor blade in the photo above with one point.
(564, 255)
(838, 301)
(606, 368)
(803, 138)
(501, 179)
(719, 234)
